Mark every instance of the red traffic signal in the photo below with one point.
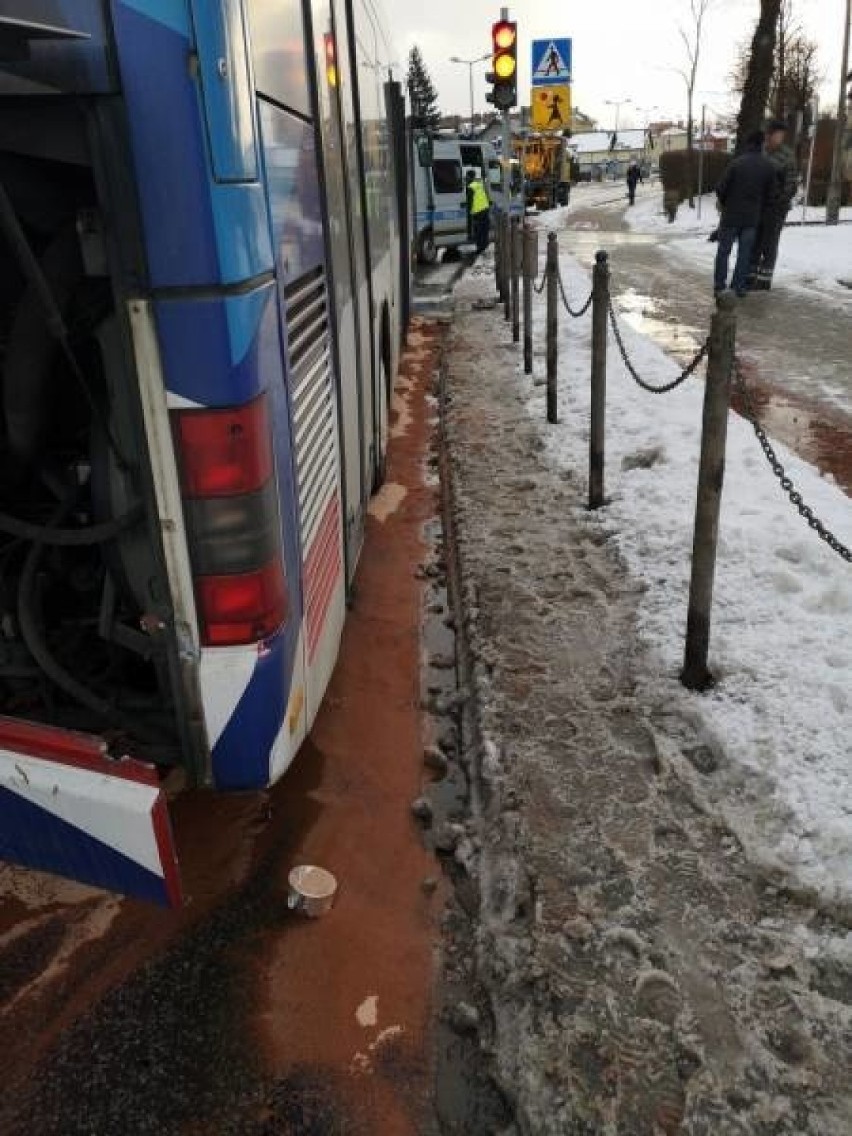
(504, 65)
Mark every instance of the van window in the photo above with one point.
(447, 175)
(471, 155)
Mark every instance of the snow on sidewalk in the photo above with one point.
(776, 726)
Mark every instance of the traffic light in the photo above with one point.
(330, 52)
(503, 75)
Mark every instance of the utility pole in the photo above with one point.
(834, 194)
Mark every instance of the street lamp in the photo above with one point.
(469, 64)
(618, 104)
(646, 112)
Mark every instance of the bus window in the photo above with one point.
(447, 175)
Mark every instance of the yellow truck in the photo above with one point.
(545, 162)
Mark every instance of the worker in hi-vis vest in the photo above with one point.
(478, 211)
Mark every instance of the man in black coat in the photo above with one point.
(634, 175)
(747, 188)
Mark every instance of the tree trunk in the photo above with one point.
(759, 73)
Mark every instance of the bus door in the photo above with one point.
(349, 124)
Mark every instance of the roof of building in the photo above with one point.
(591, 141)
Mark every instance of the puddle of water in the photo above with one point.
(647, 316)
(820, 437)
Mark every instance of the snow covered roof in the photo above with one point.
(592, 141)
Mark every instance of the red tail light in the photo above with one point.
(233, 522)
(243, 608)
(224, 452)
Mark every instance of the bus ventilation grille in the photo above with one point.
(309, 355)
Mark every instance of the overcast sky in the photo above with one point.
(621, 49)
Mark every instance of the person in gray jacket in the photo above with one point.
(772, 222)
(747, 188)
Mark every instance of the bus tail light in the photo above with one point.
(232, 519)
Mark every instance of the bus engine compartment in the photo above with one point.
(85, 629)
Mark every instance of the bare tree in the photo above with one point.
(759, 69)
(795, 73)
(690, 34)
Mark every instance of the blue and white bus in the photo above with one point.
(201, 306)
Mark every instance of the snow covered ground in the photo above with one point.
(778, 721)
(811, 256)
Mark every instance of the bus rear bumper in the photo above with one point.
(67, 807)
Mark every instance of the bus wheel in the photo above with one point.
(380, 467)
(427, 252)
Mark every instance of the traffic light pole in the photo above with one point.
(507, 161)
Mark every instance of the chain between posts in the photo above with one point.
(581, 311)
(778, 469)
(634, 374)
(539, 287)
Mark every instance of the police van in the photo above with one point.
(440, 168)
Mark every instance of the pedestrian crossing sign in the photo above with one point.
(551, 107)
(551, 62)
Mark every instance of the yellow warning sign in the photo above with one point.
(551, 107)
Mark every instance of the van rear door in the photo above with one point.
(450, 216)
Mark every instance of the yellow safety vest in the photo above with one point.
(479, 198)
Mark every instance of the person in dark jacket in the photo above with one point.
(772, 222)
(634, 176)
(747, 188)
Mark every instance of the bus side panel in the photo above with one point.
(295, 210)
(198, 231)
(344, 285)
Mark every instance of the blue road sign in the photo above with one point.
(551, 62)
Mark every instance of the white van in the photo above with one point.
(439, 178)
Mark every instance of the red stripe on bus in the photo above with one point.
(72, 748)
(322, 569)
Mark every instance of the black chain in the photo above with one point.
(582, 311)
(634, 374)
(539, 288)
(778, 469)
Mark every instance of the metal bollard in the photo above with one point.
(517, 265)
(530, 268)
(711, 473)
(600, 310)
(552, 263)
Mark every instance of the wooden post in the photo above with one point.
(517, 266)
(711, 474)
(600, 311)
(530, 259)
(504, 258)
(508, 268)
(551, 324)
(498, 252)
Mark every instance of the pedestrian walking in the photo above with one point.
(772, 222)
(746, 190)
(634, 176)
(478, 211)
